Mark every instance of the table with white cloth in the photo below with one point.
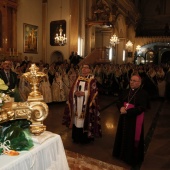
(49, 155)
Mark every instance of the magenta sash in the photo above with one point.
(139, 122)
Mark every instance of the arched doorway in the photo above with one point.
(165, 58)
(57, 57)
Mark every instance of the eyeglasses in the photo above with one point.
(134, 81)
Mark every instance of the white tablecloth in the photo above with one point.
(49, 155)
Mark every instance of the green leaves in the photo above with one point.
(18, 134)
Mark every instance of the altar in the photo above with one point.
(49, 155)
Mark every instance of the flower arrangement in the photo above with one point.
(14, 135)
(3, 97)
(3, 86)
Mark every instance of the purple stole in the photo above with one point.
(139, 122)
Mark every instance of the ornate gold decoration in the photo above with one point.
(34, 77)
(34, 109)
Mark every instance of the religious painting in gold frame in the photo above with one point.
(30, 38)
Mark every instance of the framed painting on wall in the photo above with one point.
(58, 28)
(30, 38)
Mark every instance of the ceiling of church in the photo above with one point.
(155, 15)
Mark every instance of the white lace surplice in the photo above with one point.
(79, 122)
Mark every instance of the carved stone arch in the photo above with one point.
(57, 57)
(165, 55)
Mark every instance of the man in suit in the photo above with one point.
(6, 74)
(10, 79)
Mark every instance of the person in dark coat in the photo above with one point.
(129, 140)
(9, 77)
(71, 57)
(75, 59)
(150, 84)
(11, 80)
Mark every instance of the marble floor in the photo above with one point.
(98, 155)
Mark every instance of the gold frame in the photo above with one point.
(30, 33)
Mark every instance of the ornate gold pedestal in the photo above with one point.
(34, 109)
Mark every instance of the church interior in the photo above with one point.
(101, 32)
(139, 30)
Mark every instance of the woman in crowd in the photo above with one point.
(45, 87)
(58, 94)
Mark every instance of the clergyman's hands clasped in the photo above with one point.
(123, 110)
(79, 93)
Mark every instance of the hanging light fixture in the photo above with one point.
(138, 47)
(60, 38)
(114, 40)
(129, 46)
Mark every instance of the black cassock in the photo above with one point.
(126, 146)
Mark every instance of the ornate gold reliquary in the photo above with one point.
(34, 109)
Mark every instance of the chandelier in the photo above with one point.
(129, 45)
(138, 47)
(114, 40)
(60, 38)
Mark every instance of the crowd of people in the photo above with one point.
(79, 86)
(111, 78)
